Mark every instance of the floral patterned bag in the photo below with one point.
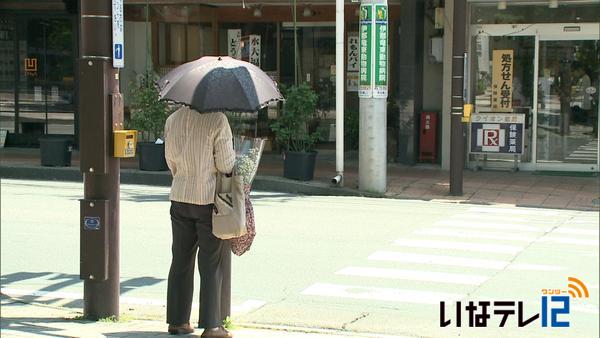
(240, 245)
(248, 153)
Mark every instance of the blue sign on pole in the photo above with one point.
(118, 51)
(92, 223)
(117, 28)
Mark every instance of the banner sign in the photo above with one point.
(117, 34)
(497, 133)
(366, 50)
(234, 38)
(254, 50)
(502, 78)
(381, 51)
(352, 81)
(353, 50)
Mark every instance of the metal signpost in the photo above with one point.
(101, 112)
(373, 91)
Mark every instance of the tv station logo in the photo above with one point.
(555, 306)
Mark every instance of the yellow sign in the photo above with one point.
(125, 141)
(502, 79)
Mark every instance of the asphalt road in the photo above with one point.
(357, 264)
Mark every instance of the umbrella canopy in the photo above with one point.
(212, 84)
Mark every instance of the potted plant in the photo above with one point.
(293, 134)
(148, 115)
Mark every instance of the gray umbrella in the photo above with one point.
(212, 84)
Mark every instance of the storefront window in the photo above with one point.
(516, 13)
(568, 101)
(8, 71)
(520, 83)
(316, 59)
(37, 76)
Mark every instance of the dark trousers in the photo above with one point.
(192, 232)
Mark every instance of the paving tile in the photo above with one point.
(556, 202)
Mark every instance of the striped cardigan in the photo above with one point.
(196, 147)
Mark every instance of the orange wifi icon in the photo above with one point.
(577, 289)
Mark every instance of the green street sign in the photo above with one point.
(373, 82)
(381, 51)
(365, 89)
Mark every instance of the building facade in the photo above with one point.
(554, 48)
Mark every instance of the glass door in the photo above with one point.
(46, 82)
(567, 104)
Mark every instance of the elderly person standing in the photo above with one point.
(197, 146)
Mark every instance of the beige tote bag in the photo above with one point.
(229, 213)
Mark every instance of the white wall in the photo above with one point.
(135, 55)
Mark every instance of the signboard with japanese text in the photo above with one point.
(381, 51)
(117, 34)
(502, 79)
(255, 50)
(352, 81)
(497, 133)
(353, 53)
(234, 37)
(251, 49)
(366, 50)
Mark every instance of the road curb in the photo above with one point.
(163, 178)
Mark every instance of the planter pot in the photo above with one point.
(55, 151)
(152, 156)
(299, 165)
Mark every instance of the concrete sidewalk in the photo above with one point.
(575, 191)
(22, 319)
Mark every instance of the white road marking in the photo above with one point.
(574, 241)
(383, 294)
(474, 234)
(489, 225)
(243, 308)
(427, 276)
(490, 264)
(577, 231)
(512, 211)
(465, 246)
(501, 219)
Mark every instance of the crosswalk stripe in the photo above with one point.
(576, 231)
(502, 219)
(488, 225)
(511, 211)
(466, 246)
(427, 276)
(534, 267)
(574, 241)
(474, 234)
(491, 264)
(383, 294)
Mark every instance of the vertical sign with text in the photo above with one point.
(502, 79)
(117, 34)
(234, 49)
(365, 89)
(254, 53)
(381, 52)
(353, 62)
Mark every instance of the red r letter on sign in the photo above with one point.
(491, 137)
